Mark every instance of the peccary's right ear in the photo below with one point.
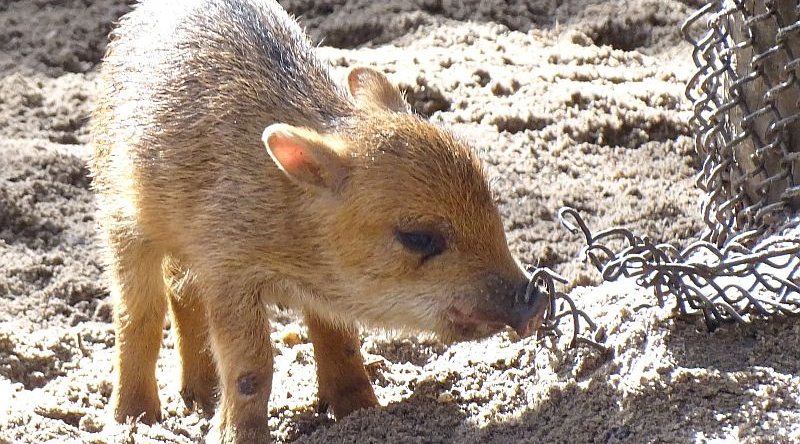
(306, 156)
(371, 87)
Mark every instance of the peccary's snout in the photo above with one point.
(527, 312)
(515, 302)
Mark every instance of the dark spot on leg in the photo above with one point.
(247, 384)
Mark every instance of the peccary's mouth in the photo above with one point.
(468, 325)
(535, 322)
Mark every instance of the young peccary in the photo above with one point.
(234, 174)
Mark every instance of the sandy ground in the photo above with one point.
(574, 103)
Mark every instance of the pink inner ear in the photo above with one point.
(303, 160)
(291, 155)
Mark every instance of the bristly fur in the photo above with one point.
(198, 219)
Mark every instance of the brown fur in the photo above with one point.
(203, 219)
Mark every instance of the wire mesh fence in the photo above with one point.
(746, 116)
(746, 121)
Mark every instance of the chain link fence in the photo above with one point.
(746, 121)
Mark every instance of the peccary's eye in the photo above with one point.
(424, 242)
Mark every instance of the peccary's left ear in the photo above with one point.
(371, 87)
(306, 156)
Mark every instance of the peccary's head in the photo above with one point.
(411, 235)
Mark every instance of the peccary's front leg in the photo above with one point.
(343, 381)
(239, 330)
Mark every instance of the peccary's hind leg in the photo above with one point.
(139, 309)
(239, 331)
(343, 381)
(198, 374)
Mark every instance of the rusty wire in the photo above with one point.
(545, 279)
(724, 284)
(746, 122)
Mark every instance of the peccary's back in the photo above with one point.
(187, 87)
(226, 57)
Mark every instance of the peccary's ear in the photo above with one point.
(371, 87)
(306, 156)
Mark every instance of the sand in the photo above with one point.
(574, 103)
